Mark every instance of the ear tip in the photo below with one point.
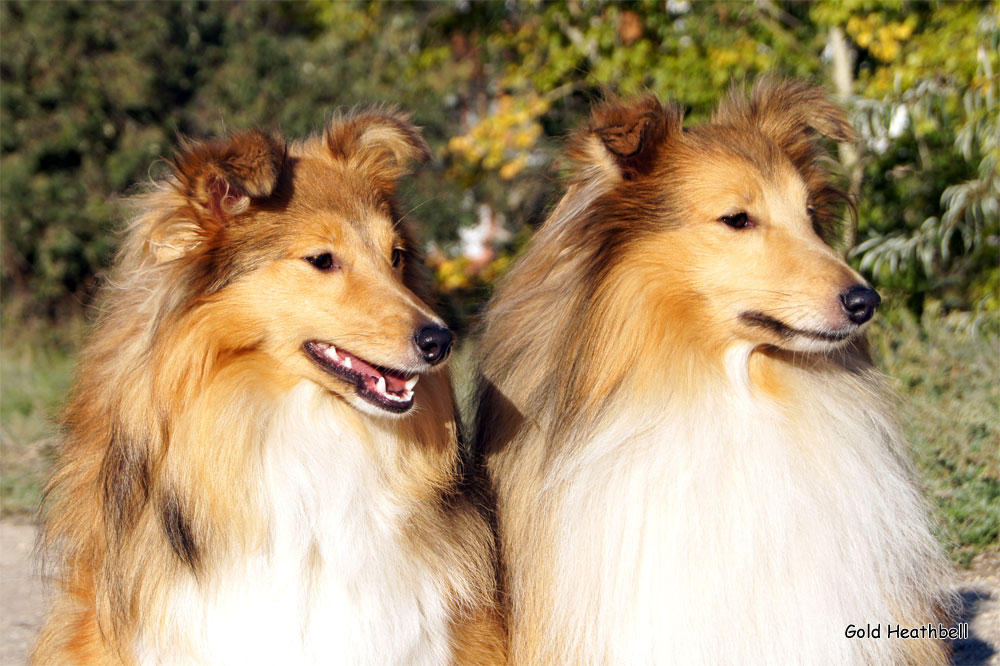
(774, 96)
(770, 88)
(349, 135)
(255, 159)
(250, 160)
(615, 111)
(262, 182)
(412, 132)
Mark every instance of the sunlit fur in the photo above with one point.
(221, 498)
(678, 482)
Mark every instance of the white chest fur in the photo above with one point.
(334, 584)
(735, 532)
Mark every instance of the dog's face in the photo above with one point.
(336, 305)
(754, 252)
(314, 272)
(725, 223)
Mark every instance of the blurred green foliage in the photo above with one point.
(94, 93)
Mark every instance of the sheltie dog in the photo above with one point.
(252, 473)
(694, 460)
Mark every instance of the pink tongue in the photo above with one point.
(392, 382)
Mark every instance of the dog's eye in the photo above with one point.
(397, 257)
(738, 221)
(323, 262)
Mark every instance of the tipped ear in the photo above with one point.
(384, 142)
(220, 176)
(787, 110)
(622, 139)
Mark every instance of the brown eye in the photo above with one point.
(397, 257)
(323, 262)
(738, 221)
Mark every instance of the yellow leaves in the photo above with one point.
(882, 38)
(462, 273)
(723, 57)
(502, 140)
(496, 268)
(452, 274)
(460, 144)
(509, 170)
(941, 43)
(742, 56)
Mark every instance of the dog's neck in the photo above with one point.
(333, 556)
(772, 510)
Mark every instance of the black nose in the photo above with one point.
(859, 303)
(434, 343)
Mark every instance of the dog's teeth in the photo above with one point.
(411, 382)
(347, 362)
(380, 386)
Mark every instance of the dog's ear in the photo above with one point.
(383, 143)
(216, 179)
(220, 176)
(788, 111)
(623, 139)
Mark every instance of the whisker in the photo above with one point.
(416, 208)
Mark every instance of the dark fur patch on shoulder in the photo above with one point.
(125, 480)
(178, 531)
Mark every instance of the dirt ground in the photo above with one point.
(22, 602)
(21, 593)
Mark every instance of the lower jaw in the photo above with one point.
(386, 406)
(800, 344)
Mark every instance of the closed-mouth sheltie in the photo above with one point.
(253, 473)
(694, 459)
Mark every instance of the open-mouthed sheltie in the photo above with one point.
(694, 460)
(252, 472)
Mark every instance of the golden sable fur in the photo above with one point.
(250, 474)
(694, 460)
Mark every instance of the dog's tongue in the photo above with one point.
(393, 381)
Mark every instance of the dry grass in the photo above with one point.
(946, 370)
(36, 367)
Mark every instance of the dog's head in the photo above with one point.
(298, 252)
(732, 219)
